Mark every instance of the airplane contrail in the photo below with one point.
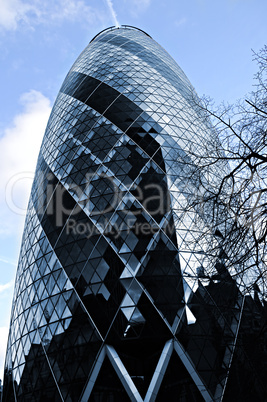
(113, 13)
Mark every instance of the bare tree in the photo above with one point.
(231, 176)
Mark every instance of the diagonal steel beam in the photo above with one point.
(159, 372)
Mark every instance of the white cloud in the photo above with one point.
(6, 290)
(181, 22)
(19, 146)
(6, 286)
(13, 13)
(3, 344)
(5, 261)
(70, 10)
(5, 306)
(139, 6)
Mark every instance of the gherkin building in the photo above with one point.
(113, 297)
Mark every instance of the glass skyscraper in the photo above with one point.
(115, 297)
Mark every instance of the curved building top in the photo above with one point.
(112, 28)
(137, 43)
(130, 61)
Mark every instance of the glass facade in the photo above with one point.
(113, 300)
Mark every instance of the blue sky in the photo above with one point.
(211, 40)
